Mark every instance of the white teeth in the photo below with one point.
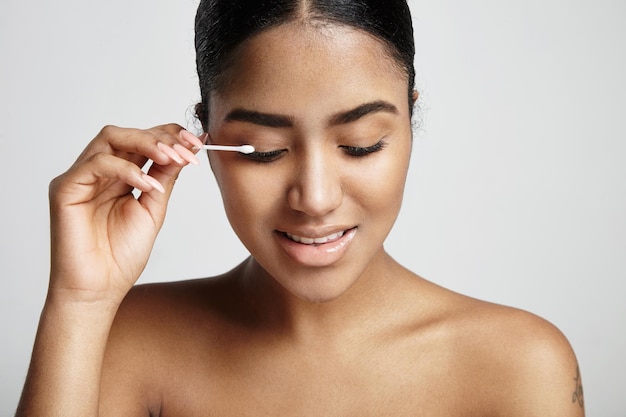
(316, 241)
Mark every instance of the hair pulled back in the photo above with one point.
(222, 25)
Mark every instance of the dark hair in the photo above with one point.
(221, 26)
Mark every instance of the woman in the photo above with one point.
(320, 320)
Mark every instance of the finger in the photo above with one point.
(187, 143)
(186, 154)
(101, 175)
(166, 137)
(167, 174)
(191, 139)
(137, 145)
(156, 203)
(173, 141)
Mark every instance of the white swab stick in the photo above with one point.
(242, 148)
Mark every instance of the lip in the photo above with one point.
(316, 240)
(317, 254)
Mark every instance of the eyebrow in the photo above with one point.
(361, 111)
(258, 118)
(279, 120)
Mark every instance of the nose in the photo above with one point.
(316, 186)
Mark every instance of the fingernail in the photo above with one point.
(153, 183)
(203, 139)
(191, 138)
(186, 154)
(170, 152)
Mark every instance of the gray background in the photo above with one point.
(516, 192)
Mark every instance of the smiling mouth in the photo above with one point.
(315, 241)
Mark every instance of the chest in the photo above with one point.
(307, 386)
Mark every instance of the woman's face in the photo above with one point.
(327, 112)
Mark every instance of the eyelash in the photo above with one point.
(354, 151)
(358, 151)
(265, 156)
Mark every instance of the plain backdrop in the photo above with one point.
(516, 192)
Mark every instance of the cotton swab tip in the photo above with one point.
(246, 149)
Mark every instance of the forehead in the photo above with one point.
(302, 67)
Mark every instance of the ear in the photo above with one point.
(202, 114)
(415, 96)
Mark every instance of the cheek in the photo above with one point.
(232, 187)
(378, 186)
(249, 195)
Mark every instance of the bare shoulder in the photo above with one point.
(174, 312)
(158, 330)
(527, 365)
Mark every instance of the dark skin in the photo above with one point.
(213, 351)
(333, 329)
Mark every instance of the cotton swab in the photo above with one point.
(243, 148)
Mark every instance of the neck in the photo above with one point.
(370, 304)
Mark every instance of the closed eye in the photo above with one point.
(265, 156)
(363, 151)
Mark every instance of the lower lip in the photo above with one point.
(317, 255)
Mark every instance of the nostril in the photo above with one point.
(315, 200)
(316, 187)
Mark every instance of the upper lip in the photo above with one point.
(315, 232)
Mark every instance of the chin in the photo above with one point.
(318, 286)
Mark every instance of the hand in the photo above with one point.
(101, 235)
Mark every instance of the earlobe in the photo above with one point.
(415, 96)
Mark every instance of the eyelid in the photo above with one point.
(268, 156)
(360, 151)
(354, 151)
